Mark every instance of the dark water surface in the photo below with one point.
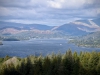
(39, 46)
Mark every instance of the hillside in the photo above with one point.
(90, 40)
(19, 26)
(97, 21)
(80, 27)
(28, 31)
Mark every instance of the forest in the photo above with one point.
(92, 40)
(87, 43)
(70, 63)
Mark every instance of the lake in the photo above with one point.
(39, 46)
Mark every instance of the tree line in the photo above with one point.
(83, 63)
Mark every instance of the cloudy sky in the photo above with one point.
(49, 12)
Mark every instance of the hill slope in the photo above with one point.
(80, 27)
(76, 28)
(90, 40)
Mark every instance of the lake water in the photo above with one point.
(39, 46)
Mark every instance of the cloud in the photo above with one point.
(71, 4)
(66, 4)
(51, 12)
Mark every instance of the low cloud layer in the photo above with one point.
(50, 12)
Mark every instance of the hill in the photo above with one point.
(28, 31)
(90, 40)
(97, 21)
(80, 27)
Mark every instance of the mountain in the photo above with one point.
(19, 26)
(75, 28)
(70, 29)
(97, 21)
(14, 28)
(79, 27)
(15, 31)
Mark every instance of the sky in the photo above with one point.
(48, 12)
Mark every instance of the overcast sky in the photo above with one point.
(49, 12)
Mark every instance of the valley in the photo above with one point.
(78, 27)
(84, 32)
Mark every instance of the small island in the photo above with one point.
(1, 43)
